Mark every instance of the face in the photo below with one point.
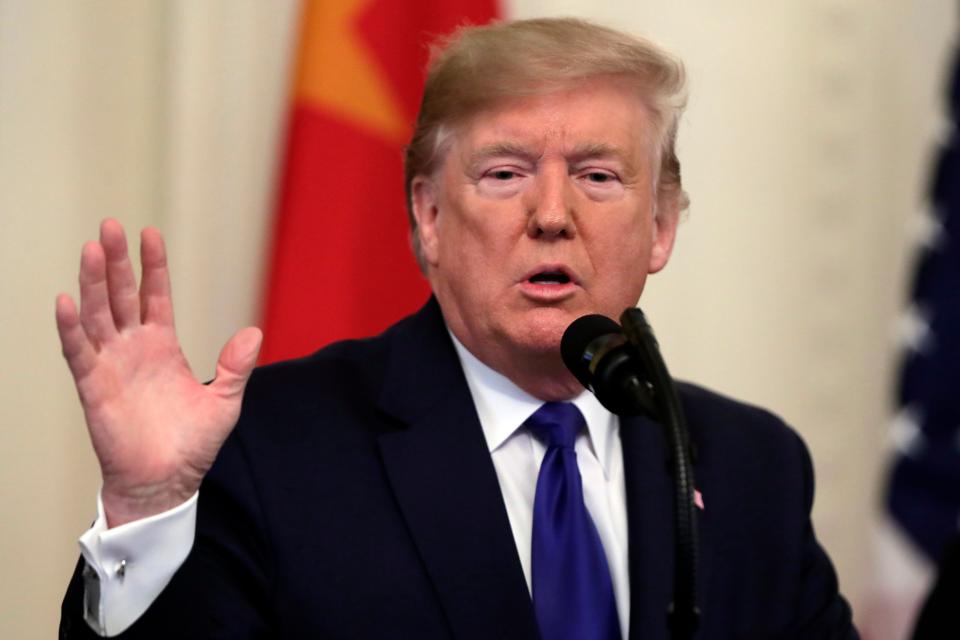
(543, 210)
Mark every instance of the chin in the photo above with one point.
(542, 330)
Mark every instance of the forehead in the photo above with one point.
(596, 114)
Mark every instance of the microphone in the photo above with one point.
(595, 349)
(622, 366)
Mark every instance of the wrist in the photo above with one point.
(124, 505)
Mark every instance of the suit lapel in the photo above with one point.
(650, 526)
(440, 470)
(650, 520)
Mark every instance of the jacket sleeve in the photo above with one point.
(822, 611)
(224, 587)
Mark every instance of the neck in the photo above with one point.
(554, 386)
(543, 376)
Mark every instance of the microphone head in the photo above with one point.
(574, 346)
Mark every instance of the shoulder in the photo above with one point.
(339, 390)
(712, 416)
(747, 445)
(701, 403)
(286, 403)
(306, 416)
(756, 479)
(341, 366)
(341, 370)
(350, 366)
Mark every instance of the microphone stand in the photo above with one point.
(683, 615)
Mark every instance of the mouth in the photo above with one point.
(550, 274)
(549, 277)
(549, 283)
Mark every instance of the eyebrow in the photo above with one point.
(599, 150)
(580, 153)
(500, 149)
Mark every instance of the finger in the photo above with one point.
(77, 350)
(121, 283)
(155, 303)
(236, 362)
(95, 315)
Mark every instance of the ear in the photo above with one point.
(425, 210)
(664, 231)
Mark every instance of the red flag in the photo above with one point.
(340, 264)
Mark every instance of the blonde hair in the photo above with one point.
(479, 66)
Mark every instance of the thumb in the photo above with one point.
(236, 362)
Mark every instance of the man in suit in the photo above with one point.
(426, 483)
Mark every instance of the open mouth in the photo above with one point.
(550, 277)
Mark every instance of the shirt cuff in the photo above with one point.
(128, 566)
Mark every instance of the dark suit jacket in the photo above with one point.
(356, 498)
(938, 616)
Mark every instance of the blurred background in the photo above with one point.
(807, 148)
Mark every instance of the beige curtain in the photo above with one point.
(162, 112)
(804, 150)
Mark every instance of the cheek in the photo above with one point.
(464, 253)
(477, 232)
(620, 239)
(620, 254)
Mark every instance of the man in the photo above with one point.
(449, 478)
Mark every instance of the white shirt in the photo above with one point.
(135, 561)
(502, 408)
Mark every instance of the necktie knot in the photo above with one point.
(556, 424)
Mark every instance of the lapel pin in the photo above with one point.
(698, 499)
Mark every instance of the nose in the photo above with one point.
(549, 205)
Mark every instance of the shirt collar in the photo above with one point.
(502, 407)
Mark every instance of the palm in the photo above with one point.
(144, 378)
(155, 429)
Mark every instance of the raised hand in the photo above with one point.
(155, 429)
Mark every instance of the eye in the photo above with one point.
(502, 181)
(599, 177)
(600, 183)
(503, 175)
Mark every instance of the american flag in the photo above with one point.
(924, 490)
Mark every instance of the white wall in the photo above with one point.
(804, 149)
(156, 112)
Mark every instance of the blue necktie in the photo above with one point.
(572, 590)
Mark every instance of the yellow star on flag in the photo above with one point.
(338, 73)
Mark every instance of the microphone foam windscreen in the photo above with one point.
(577, 338)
